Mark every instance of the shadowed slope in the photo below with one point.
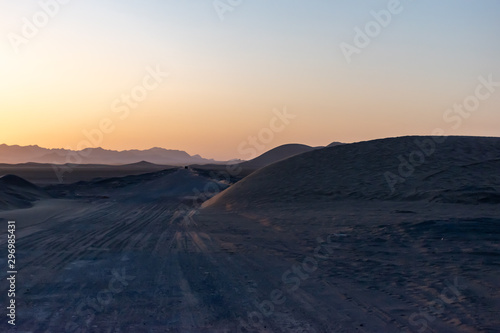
(272, 156)
(460, 169)
(15, 192)
(275, 155)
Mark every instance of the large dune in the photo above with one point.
(269, 157)
(275, 155)
(441, 169)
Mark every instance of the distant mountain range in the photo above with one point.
(24, 154)
(16, 154)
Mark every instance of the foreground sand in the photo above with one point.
(393, 267)
(383, 267)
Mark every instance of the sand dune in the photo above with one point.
(16, 192)
(341, 261)
(272, 156)
(43, 174)
(335, 143)
(460, 169)
(170, 184)
(275, 155)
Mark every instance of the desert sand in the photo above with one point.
(317, 242)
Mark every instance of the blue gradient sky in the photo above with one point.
(227, 76)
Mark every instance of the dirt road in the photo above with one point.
(146, 268)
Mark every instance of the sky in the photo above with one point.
(214, 77)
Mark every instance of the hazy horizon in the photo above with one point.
(258, 152)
